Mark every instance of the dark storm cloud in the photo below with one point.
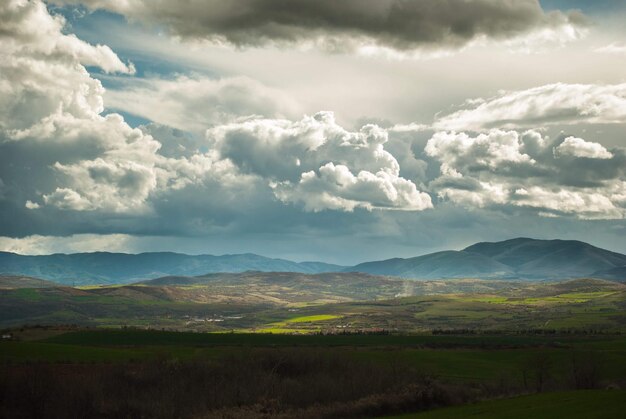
(397, 24)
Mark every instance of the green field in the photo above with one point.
(457, 358)
(493, 366)
(596, 404)
(96, 337)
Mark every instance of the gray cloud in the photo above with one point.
(344, 25)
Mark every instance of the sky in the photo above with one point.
(310, 130)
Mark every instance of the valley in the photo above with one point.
(329, 303)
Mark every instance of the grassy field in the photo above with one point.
(596, 404)
(457, 358)
(450, 369)
(133, 337)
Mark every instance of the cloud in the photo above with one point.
(42, 70)
(27, 29)
(45, 245)
(486, 151)
(577, 147)
(336, 187)
(195, 103)
(317, 162)
(74, 159)
(74, 177)
(394, 25)
(56, 148)
(552, 104)
(115, 186)
(505, 169)
(613, 48)
(581, 203)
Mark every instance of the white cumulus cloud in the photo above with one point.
(317, 162)
(577, 147)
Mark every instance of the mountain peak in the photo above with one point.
(521, 257)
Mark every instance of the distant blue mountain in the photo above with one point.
(121, 268)
(520, 258)
(448, 264)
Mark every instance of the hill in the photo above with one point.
(448, 264)
(520, 258)
(613, 274)
(122, 268)
(550, 258)
(14, 282)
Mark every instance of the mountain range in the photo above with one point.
(520, 258)
(123, 268)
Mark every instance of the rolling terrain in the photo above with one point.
(333, 303)
(12, 282)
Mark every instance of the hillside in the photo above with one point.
(614, 274)
(520, 258)
(448, 264)
(296, 288)
(14, 282)
(550, 258)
